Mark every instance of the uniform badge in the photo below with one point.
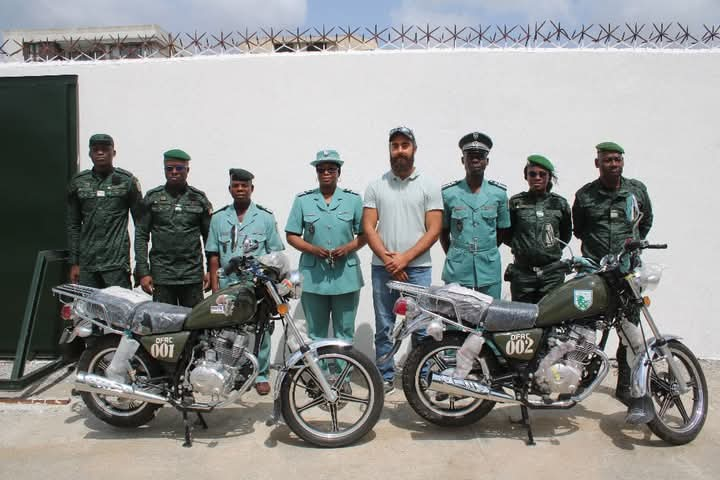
(178, 208)
(459, 225)
(475, 136)
(582, 299)
(311, 228)
(540, 213)
(101, 193)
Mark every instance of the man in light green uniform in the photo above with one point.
(98, 202)
(475, 221)
(537, 218)
(177, 216)
(325, 225)
(229, 228)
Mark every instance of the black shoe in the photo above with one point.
(641, 411)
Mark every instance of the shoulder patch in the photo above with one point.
(220, 210)
(347, 190)
(497, 184)
(451, 184)
(264, 208)
(302, 194)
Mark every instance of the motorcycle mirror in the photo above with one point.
(566, 245)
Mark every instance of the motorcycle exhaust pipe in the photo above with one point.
(87, 382)
(462, 387)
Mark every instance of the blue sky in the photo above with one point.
(226, 15)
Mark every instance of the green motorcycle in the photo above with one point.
(142, 355)
(480, 351)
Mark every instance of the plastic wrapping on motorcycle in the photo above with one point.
(504, 316)
(119, 303)
(471, 305)
(152, 317)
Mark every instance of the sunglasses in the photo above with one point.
(541, 174)
(177, 168)
(322, 170)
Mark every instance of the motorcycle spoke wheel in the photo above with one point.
(313, 417)
(679, 417)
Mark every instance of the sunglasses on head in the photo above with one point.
(326, 169)
(534, 173)
(177, 168)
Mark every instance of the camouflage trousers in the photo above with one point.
(184, 295)
(525, 286)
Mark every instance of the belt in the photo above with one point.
(471, 248)
(528, 267)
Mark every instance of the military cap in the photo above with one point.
(103, 138)
(240, 175)
(329, 156)
(475, 141)
(609, 147)
(176, 154)
(402, 131)
(540, 161)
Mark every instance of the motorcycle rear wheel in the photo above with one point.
(113, 410)
(333, 424)
(678, 417)
(438, 356)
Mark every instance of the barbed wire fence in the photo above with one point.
(545, 35)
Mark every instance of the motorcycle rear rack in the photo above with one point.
(412, 290)
(68, 293)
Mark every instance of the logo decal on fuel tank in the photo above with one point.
(582, 299)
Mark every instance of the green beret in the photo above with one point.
(327, 156)
(609, 147)
(176, 154)
(101, 138)
(475, 141)
(541, 161)
(240, 175)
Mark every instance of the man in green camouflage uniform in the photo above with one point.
(603, 222)
(176, 215)
(537, 218)
(98, 202)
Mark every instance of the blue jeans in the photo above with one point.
(383, 302)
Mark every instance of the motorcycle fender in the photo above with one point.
(297, 357)
(166, 347)
(641, 368)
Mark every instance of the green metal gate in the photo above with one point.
(38, 150)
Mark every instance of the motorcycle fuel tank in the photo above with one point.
(579, 298)
(233, 305)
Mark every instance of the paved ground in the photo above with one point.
(590, 441)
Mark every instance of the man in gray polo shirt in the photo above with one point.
(402, 218)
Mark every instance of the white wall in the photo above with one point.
(270, 113)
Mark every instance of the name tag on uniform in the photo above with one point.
(614, 214)
(178, 208)
(101, 193)
(540, 213)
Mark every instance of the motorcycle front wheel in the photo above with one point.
(117, 411)
(678, 417)
(310, 415)
(445, 410)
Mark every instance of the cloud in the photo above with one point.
(173, 15)
(472, 12)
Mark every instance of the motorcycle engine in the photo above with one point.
(561, 370)
(217, 371)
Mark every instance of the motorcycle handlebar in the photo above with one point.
(555, 266)
(631, 245)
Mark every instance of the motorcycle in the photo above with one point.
(480, 351)
(142, 355)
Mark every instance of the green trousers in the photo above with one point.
(525, 286)
(320, 308)
(183, 295)
(108, 278)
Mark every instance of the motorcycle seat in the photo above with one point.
(503, 316)
(153, 317)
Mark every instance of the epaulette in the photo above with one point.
(518, 195)
(123, 171)
(156, 189)
(498, 184)
(264, 208)
(451, 184)
(306, 192)
(221, 209)
(196, 190)
(347, 190)
(83, 173)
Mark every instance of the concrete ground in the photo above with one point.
(590, 441)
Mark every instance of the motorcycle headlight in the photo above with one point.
(648, 276)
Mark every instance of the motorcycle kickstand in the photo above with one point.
(188, 436)
(525, 422)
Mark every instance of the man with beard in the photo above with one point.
(475, 221)
(229, 228)
(402, 217)
(537, 218)
(177, 215)
(602, 216)
(98, 202)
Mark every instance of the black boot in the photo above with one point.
(622, 390)
(640, 411)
